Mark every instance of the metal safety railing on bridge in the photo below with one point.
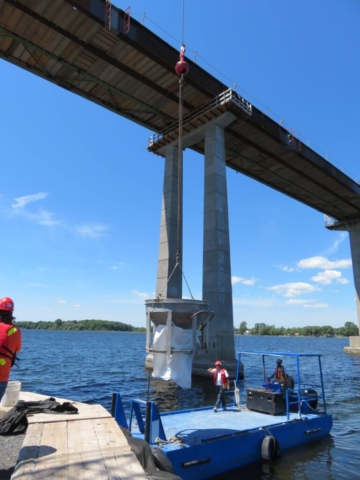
(222, 99)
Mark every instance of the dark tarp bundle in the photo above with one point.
(15, 421)
(152, 460)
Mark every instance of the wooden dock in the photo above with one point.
(87, 445)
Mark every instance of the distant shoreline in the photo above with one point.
(287, 335)
(259, 330)
(81, 326)
(326, 331)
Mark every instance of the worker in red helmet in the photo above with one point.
(10, 341)
(221, 380)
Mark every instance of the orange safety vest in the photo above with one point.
(10, 344)
(280, 374)
(224, 378)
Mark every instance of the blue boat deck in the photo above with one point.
(207, 425)
(200, 443)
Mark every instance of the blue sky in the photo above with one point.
(80, 196)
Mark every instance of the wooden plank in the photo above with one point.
(28, 454)
(52, 460)
(119, 460)
(84, 453)
(44, 453)
(87, 449)
(85, 410)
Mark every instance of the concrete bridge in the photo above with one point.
(127, 69)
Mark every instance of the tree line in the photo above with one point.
(90, 325)
(349, 329)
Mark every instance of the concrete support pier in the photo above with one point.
(170, 237)
(216, 275)
(354, 234)
(217, 289)
(353, 227)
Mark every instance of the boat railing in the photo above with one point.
(306, 401)
(117, 410)
(305, 396)
(144, 418)
(148, 420)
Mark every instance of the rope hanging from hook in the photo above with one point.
(168, 280)
(183, 22)
(181, 69)
(180, 171)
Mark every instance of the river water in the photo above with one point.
(89, 366)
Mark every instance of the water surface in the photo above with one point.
(89, 366)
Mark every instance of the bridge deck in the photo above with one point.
(65, 42)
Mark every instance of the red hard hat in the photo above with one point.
(6, 304)
(218, 363)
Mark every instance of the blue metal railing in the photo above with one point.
(305, 397)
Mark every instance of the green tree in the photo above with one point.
(242, 328)
(328, 330)
(351, 329)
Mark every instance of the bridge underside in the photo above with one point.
(66, 42)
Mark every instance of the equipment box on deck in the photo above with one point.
(265, 401)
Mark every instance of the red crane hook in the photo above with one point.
(182, 68)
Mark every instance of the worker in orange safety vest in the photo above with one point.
(280, 373)
(10, 341)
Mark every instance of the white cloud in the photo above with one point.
(324, 263)
(255, 302)
(61, 301)
(92, 231)
(77, 306)
(287, 269)
(249, 281)
(140, 294)
(306, 303)
(46, 218)
(39, 285)
(316, 305)
(297, 301)
(335, 246)
(329, 276)
(116, 267)
(22, 201)
(294, 289)
(43, 218)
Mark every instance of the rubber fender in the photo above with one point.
(269, 448)
(161, 461)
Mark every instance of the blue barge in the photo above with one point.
(269, 418)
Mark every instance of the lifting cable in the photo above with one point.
(180, 171)
(181, 68)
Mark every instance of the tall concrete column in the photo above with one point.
(217, 287)
(169, 230)
(353, 227)
(355, 254)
